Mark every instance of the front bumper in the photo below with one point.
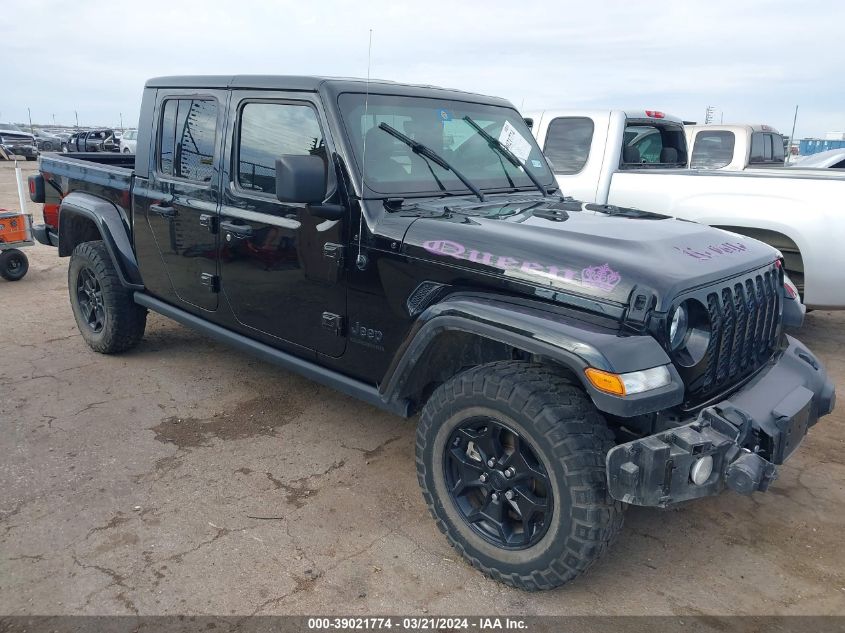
(29, 151)
(747, 436)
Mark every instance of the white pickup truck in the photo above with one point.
(735, 147)
(639, 159)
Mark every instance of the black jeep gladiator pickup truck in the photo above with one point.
(408, 245)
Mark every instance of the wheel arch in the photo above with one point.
(465, 331)
(84, 218)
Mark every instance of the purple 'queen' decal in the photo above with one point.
(602, 277)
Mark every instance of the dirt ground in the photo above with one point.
(185, 477)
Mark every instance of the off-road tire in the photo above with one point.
(124, 322)
(571, 439)
(13, 264)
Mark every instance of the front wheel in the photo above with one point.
(107, 316)
(511, 460)
(13, 264)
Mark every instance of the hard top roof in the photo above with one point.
(315, 83)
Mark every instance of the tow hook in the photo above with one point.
(750, 473)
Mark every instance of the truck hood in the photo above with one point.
(595, 251)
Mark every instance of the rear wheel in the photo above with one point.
(107, 316)
(13, 264)
(511, 460)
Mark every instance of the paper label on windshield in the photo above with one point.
(515, 142)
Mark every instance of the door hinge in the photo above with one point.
(209, 222)
(333, 322)
(333, 251)
(212, 282)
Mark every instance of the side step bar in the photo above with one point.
(312, 371)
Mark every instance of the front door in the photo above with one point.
(183, 197)
(280, 267)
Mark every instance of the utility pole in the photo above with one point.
(29, 114)
(77, 119)
(792, 135)
(54, 120)
(121, 121)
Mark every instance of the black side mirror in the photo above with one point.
(301, 179)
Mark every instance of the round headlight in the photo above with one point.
(678, 327)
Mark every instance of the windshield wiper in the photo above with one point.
(427, 152)
(496, 145)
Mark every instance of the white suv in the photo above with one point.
(128, 141)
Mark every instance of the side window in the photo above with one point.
(712, 149)
(167, 141)
(186, 138)
(568, 144)
(269, 130)
(758, 153)
(647, 144)
(778, 148)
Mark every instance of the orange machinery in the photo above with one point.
(15, 231)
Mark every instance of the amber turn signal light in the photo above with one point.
(605, 381)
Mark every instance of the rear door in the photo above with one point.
(281, 267)
(181, 203)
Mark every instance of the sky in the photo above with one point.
(752, 60)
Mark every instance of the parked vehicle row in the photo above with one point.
(97, 140)
(410, 246)
(639, 159)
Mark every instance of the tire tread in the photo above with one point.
(565, 416)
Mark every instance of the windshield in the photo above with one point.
(9, 127)
(392, 167)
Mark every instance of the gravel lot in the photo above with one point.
(185, 477)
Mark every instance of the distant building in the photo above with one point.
(831, 140)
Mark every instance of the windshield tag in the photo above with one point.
(445, 115)
(515, 142)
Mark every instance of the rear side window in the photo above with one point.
(712, 149)
(186, 138)
(568, 142)
(650, 145)
(766, 148)
(269, 130)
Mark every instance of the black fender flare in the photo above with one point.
(114, 230)
(567, 341)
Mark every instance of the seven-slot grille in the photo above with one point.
(744, 324)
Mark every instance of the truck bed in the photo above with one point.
(106, 175)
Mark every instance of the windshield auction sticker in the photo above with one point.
(515, 142)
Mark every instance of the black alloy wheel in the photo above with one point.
(89, 294)
(498, 484)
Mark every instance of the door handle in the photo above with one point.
(235, 231)
(165, 212)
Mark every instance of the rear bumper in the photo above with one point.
(745, 437)
(45, 235)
